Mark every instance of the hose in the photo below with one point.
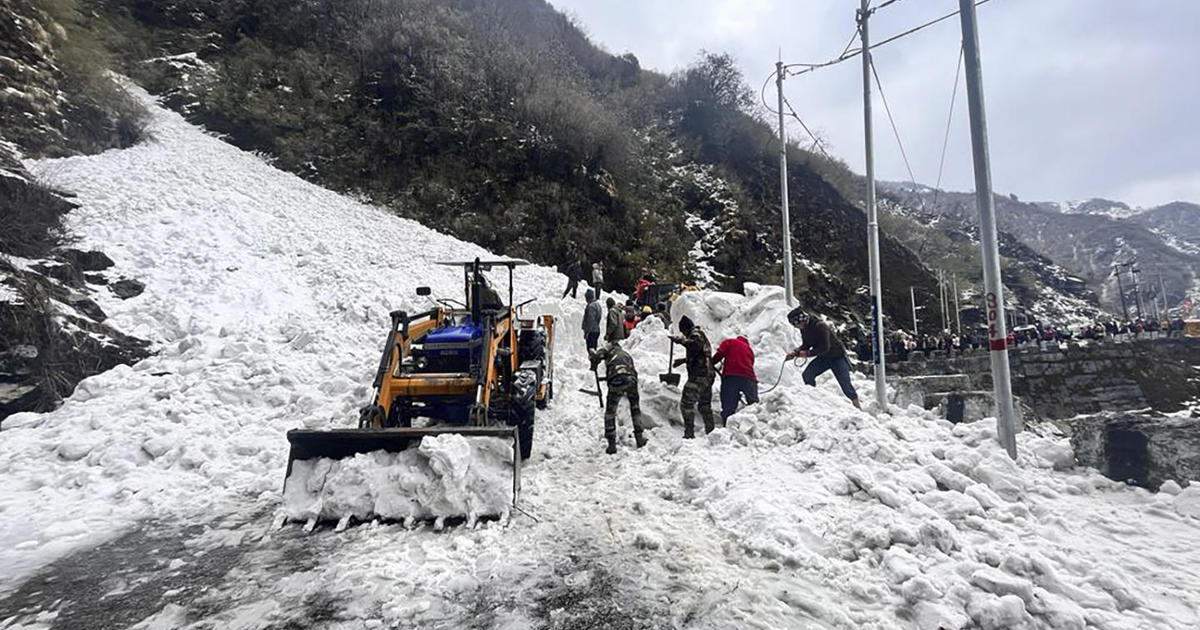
(795, 363)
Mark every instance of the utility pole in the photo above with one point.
(872, 220)
(1121, 290)
(957, 314)
(994, 288)
(1163, 289)
(1137, 293)
(912, 296)
(783, 193)
(942, 299)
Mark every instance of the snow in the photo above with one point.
(445, 476)
(267, 300)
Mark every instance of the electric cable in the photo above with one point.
(937, 188)
(895, 131)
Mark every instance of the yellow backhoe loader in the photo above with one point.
(474, 368)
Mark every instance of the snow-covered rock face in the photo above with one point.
(268, 300)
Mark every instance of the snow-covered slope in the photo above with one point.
(267, 299)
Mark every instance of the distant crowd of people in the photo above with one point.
(905, 345)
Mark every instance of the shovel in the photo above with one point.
(598, 393)
(670, 378)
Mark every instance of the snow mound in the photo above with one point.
(445, 476)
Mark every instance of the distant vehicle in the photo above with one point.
(1191, 328)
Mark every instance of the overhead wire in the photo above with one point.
(816, 141)
(848, 55)
(937, 188)
(895, 130)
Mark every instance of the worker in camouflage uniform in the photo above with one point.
(614, 321)
(697, 392)
(622, 379)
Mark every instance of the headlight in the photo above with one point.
(421, 362)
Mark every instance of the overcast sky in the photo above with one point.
(1084, 98)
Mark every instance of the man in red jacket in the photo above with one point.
(737, 375)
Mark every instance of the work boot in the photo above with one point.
(856, 404)
(612, 446)
(708, 428)
(689, 433)
(640, 439)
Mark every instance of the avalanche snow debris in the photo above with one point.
(810, 514)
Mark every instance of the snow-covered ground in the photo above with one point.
(267, 299)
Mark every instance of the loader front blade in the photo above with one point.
(343, 443)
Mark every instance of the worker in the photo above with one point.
(662, 313)
(614, 322)
(631, 317)
(593, 316)
(489, 299)
(574, 273)
(697, 392)
(598, 277)
(621, 376)
(737, 374)
(826, 350)
(647, 313)
(643, 283)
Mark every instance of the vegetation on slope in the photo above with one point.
(500, 123)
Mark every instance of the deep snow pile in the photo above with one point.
(445, 476)
(268, 299)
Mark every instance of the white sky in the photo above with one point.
(1085, 98)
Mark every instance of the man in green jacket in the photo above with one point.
(697, 392)
(614, 321)
(621, 376)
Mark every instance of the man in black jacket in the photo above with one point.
(826, 350)
(574, 273)
(593, 317)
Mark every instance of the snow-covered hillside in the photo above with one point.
(267, 300)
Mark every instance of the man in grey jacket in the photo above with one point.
(592, 317)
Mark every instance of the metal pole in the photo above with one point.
(913, 298)
(1163, 289)
(783, 194)
(993, 286)
(957, 314)
(942, 298)
(1121, 290)
(872, 219)
(1137, 293)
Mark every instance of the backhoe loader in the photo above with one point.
(473, 368)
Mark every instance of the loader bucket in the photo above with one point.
(345, 443)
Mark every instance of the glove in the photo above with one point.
(789, 356)
(803, 354)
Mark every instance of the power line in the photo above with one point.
(895, 131)
(846, 56)
(937, 188)
(816, 141)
